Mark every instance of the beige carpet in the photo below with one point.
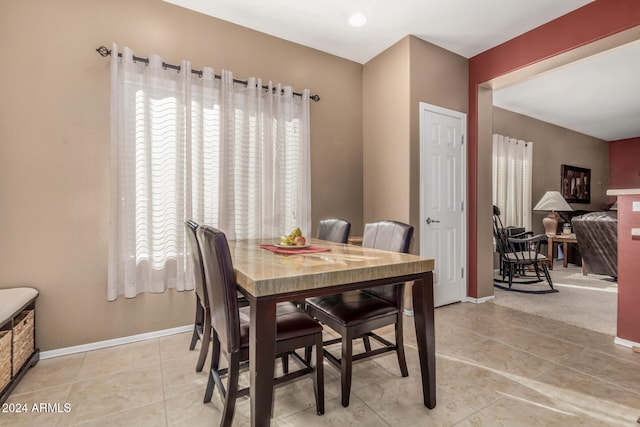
(590, 302)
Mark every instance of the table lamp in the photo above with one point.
(552, 201)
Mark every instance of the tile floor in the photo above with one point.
(495, 367)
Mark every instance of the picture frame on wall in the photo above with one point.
(576, 184)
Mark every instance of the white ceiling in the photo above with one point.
(467, 27)
(597, 96)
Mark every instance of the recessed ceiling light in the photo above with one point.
(357, 20)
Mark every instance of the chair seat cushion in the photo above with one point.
(353, 307)
(291, 322)
(12, 299)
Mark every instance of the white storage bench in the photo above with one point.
(18, 350)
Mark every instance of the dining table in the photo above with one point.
(266, 278)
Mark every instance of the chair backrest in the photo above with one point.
(391, 236)
(334, 230)
(195, 256)
(388, 235)
(499, 234)
(497, 222)
(221, 286)
(526, 250)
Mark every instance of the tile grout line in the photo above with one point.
(162, 376)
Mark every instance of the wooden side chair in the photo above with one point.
(501, 234)
(518, 255)
(357, 314)
(295, 329)
(522, 254)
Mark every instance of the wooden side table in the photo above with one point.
(565, 239)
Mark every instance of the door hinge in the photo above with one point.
(462, 139)
(462, 206)
(462, 273)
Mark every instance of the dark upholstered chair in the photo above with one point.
(357, 314)
(334, 230)
(597, 236)
(295, 328)
(202, 324)
(391, 236)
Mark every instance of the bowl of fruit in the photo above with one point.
(295, 240)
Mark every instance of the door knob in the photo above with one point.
(429, 220)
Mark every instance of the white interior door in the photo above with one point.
(443, 182)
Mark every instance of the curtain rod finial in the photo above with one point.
(103, 51)
(315, 98)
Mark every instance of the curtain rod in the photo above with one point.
(104, 52)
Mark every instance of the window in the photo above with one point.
(204, 148)
(512, 172)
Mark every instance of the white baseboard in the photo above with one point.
(113, 342)
(479, 300)
(626, 343)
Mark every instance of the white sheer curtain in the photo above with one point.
(512, 172)
(201, 148)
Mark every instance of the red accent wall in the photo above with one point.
(624, 169)
(594, 21)
(628, 270)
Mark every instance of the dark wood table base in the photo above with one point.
(262, 335)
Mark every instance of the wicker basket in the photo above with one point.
(5, 358)
(23, 345)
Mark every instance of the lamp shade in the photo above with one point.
(552, 201)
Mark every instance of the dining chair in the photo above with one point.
(334, 230)
(356, 314)
(295, 329)
(202, 323)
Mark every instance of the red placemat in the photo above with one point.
(284, 251)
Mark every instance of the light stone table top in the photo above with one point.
(262, 272)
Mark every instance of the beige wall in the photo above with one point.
(440, 78)
(554, 146)
(54, 147)
(484, 188)
(386, 137)
(395, 82)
